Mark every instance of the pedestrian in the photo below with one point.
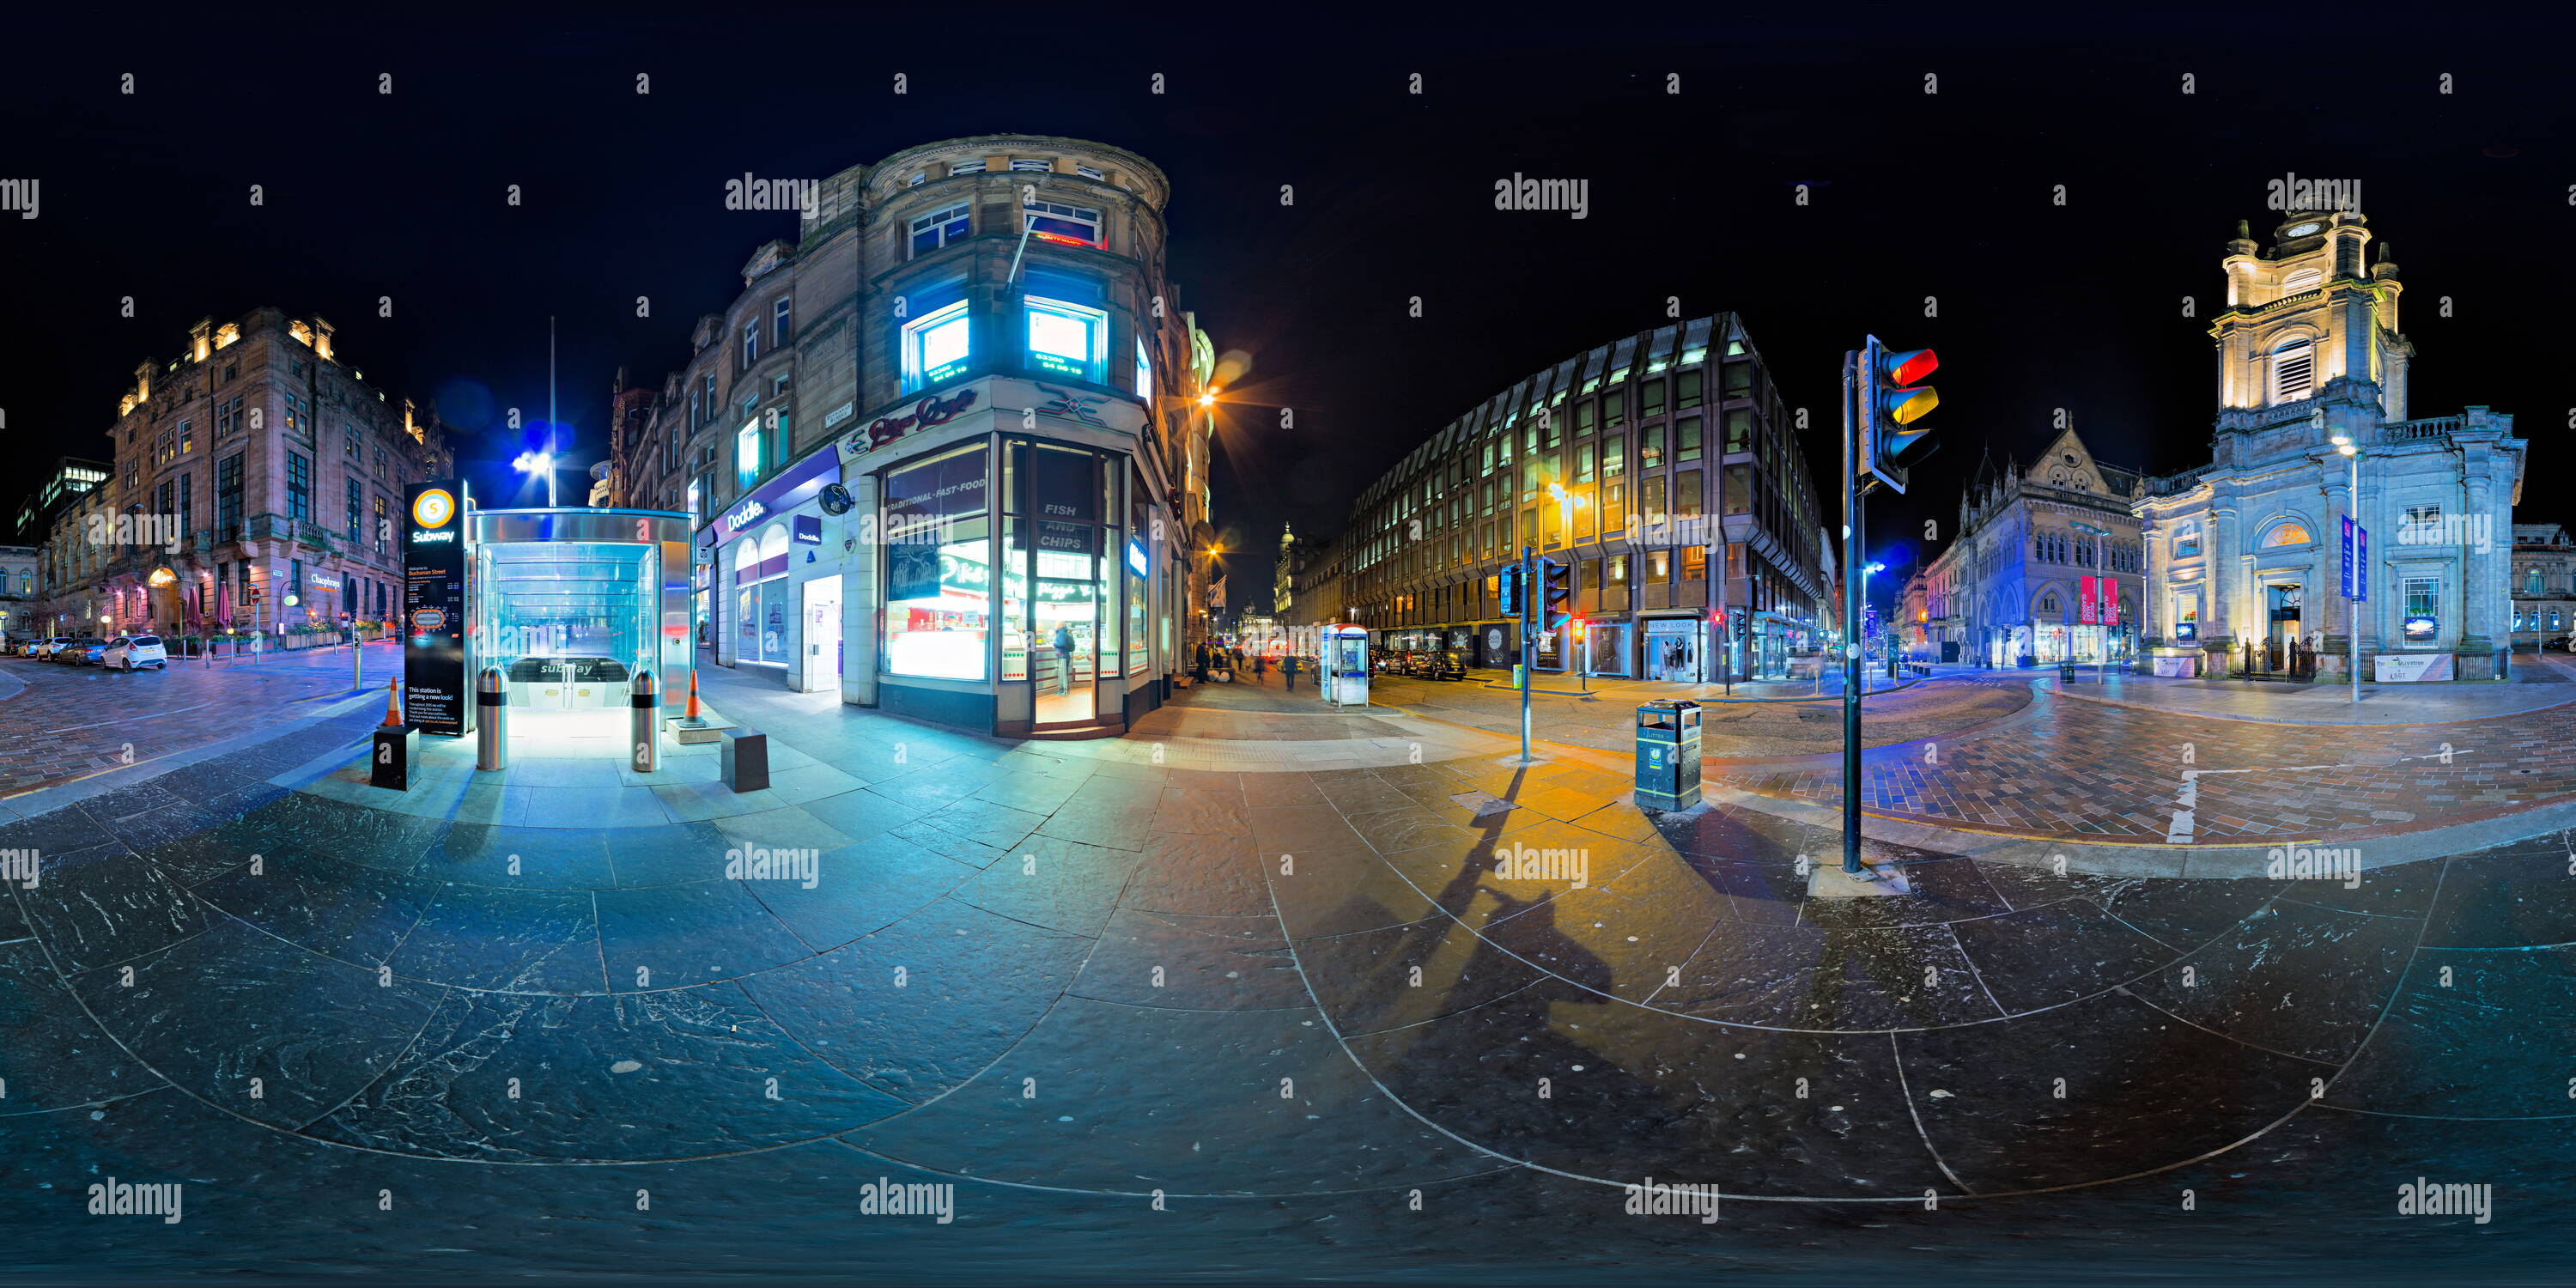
(1260, 666)
(1288, 671)
(1064, 658)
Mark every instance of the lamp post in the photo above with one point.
(2351, 451)
(2101, 551)
(1565, 507)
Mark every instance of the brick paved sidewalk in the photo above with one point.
(2092, 771)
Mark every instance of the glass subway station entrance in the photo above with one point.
(569, 605)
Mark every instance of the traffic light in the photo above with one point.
(1511, 591)
(1891, 402)
(1558, 605)
(1743, 622)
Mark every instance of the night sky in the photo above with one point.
(1949, 195)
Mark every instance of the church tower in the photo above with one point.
(2308, 345)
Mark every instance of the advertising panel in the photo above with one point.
(435, 599)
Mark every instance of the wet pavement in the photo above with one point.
(1410, 1020)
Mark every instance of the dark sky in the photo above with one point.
(1948, 195)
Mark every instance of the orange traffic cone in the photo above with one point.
(693, 693)
(393, 704)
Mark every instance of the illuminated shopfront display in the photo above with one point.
(939, 578)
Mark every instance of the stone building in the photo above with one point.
(2046, 565)
(2245, 552)
(2544, 584)
(968, 360)
(254, 488)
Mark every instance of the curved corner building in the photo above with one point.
(1631, 460)
(940, 450)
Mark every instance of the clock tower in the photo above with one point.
(2308, 346)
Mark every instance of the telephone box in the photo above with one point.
(1346, 666)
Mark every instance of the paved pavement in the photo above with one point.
(69, 722)
(1605, 721)
(2538, 683)
(1155, 1023)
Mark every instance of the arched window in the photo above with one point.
(2294, 369)
(2289, 532)
(2531, 582)
(773, 544)
(2048, 602)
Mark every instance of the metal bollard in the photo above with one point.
(646, 734)
(491, 720)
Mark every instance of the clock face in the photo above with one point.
(2304, 229)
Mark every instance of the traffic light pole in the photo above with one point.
(1853, 365)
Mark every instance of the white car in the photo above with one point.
(46, 648)
(133, 653)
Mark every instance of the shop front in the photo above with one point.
(1019, 576)
(752, 560)
(1671, 649)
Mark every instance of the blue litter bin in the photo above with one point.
(1668, 754)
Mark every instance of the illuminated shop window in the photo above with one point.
(935, 347)
(1067, 339)
(1064, 225)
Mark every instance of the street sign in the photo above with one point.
(2356, 560)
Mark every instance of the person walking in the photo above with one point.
(1288, 671)
(1260, 667)
(1064, 658)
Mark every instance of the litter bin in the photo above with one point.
(1668, 754)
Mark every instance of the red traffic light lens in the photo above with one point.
(1906, 368)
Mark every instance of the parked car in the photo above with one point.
(45, 647)
(134, 652)
(83, 652)
(1445, 664)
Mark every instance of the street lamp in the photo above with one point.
(2101, 665)
(2352, 610)
(538, 463)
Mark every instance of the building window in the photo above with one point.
(1650, 447)
(1064, 225)
(2187, 542)
(299, 487)
(1650, 399)
(932, 231)
(2531, 582)
(750, 344)
(2293, 370)
(2048, 602)
(383, 530)
(1088, 173)
(746, 455)
(1583, 462)
(1614, 409)
(1686, 439)
(2287, 533)
(919, 177)
(1686, 387)
(966, 167)
(936, 347)
(1144, 372)
(1038, 164)
(357, 508)
(294, 411)
(349, 440)
(782, 322)
(1613, 452)
(228, 497)
(1067, 339)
